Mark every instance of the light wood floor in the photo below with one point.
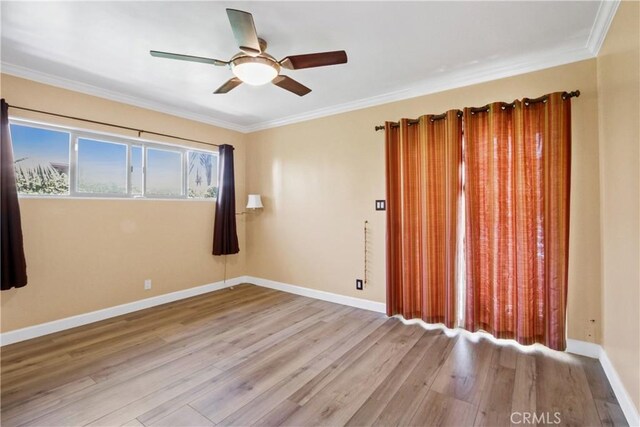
(257, 356)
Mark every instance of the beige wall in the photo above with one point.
(619, 107)
(83, 254)
(320, 179)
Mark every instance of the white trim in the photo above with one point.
(624, 399)
(472, 75)
(467, 77)
(604, 17)
(38, 76)
(590, 349)
(107, 313)
(584, 348)
(365, 304)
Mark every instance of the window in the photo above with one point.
(164, 172)
(136, 171)
(102, 167)
(55, 161)
(41, 159)
(203, 172)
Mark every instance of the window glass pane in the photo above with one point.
(164, 172)
(41, 159)
(136, 170)
(102, 167)
(203, 174)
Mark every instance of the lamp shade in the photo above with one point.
(254, 202)
(255, 71)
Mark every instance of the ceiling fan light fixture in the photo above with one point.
(255, 71)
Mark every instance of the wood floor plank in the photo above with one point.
(185, 416)
(395, 401)
(336, 403)
(133, 423)
(523, 399)
(25, 410)
(597, 379)
(255, 362)
(157, 397)
(278, 415)
(465, 371)
(189, 344)
(257, 356)
(328, 374)
(273, 340)
(562, 388)
(253, 411)
(253, 380)
(105, 398)
(41, 380)
(445, 411)
(495, 406)
(610, 413)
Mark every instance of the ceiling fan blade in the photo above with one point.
(244, 31)
(291, 85)
(311, 60)
(190, 58)
(229, 85)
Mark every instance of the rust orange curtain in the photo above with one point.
(517, 172)
(423, 162)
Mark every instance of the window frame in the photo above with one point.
(77, 133)
(183, 189)
(73, 189)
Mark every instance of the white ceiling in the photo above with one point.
(396, 50)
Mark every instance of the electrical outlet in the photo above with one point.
(359, 284)
(147, 284)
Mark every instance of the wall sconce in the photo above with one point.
(253, 202)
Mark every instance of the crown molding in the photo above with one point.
(604, 17)
(61, 82)
(470, 76)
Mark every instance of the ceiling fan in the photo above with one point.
(252, 65)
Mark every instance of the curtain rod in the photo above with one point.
(140, 131)
(527, 101)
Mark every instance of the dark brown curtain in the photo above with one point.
(423, 163)
(225, 236)
(13, 268)
(518, 168)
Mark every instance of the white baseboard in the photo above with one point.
(624, 399)
(582, 348)
(365, 304)
(106, 313)
(596, 351)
